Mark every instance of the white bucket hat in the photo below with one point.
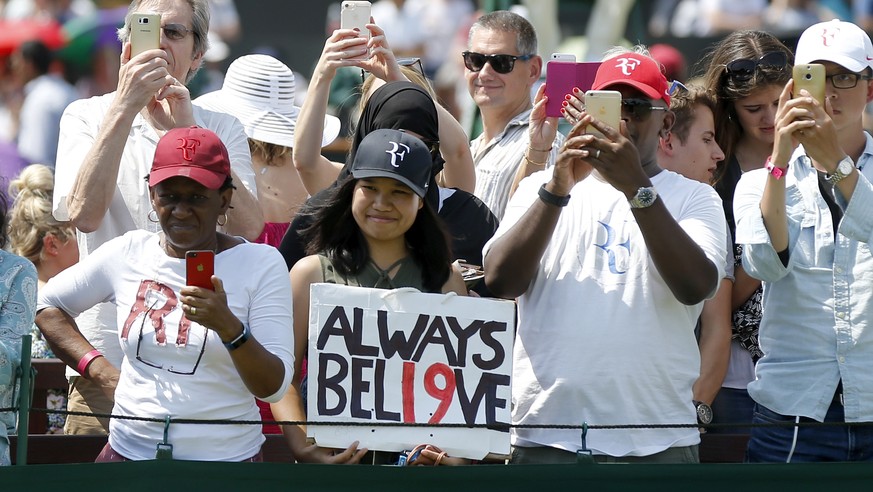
(259, 91)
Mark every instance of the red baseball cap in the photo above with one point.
(635, 70)
(193, 152)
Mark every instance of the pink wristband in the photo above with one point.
(86, 360)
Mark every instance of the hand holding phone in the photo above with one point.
(605, 106)
(145, 33)
(810, 76)
(200, 266)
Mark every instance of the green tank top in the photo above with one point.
(408, 275)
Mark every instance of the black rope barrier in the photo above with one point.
(498, 427)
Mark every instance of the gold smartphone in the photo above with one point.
(810, 76)
(604, 106)
(145, 33)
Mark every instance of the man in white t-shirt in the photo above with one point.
(105, 149)
(610, 258)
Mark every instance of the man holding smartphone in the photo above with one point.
(805, 225)
(106, 147)
(611, 259)
(502, 66)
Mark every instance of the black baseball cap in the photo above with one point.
(387, 153)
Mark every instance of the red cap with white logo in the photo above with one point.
(192, 152)
(635, 70)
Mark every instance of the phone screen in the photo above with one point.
(200, 266)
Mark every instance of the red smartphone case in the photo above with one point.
(200, 266)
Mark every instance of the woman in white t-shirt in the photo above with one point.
(172, 332)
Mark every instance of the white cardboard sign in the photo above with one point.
(401, 356)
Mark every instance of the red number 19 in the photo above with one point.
(444, 394)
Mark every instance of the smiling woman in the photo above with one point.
(171, 332)
(382, 233)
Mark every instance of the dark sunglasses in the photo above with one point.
(743, 69)
(639, 109)
(500, 63)
(175, 32)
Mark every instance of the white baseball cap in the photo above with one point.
(835, 41)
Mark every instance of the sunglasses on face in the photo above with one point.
(500, 63)
(743, 69)
(175, 32)
(639, 109)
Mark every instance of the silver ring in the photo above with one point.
(193, 311)
(597, 155)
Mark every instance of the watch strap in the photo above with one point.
(776, 172)
(553, 199)
(839, 175)
(238, 341)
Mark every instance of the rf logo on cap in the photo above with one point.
(188, 146)
(627, 65)
(395, 154)
(827, 36)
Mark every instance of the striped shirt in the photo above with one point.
(498, 161)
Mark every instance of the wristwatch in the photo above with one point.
(844, 168)
(704, 412)
(645, 197)
(777, 172)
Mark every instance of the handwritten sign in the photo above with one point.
(401, 356)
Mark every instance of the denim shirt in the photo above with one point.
(816, 310)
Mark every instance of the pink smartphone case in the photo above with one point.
(562, 77)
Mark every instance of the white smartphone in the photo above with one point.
(355, 15)
(145, 33)
(564, 57)
(605, 106)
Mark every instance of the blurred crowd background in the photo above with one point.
(78, 51)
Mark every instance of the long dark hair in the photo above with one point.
(344, 244)
(750, 45)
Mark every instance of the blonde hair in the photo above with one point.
(30, 218)
(268, 151)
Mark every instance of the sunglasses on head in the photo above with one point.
(639, 109)
(744, 68)
(500, 63)
(409, 61)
